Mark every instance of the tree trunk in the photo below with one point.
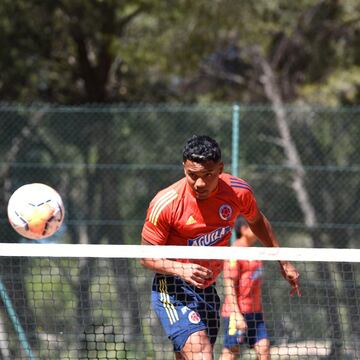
(126, 292)
(86, 327)
(273, 93)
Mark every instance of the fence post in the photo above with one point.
(235, 146)
(15, 320)
(235, 140)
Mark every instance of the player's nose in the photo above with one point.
(200, 183)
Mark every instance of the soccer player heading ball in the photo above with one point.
(199, 210)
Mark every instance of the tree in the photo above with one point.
(276, 72)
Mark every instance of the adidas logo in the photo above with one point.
(190, 220)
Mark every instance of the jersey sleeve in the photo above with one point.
(158, 218)
(247, 202)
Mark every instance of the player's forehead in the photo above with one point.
(195, 167)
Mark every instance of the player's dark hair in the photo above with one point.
(239, 222)
(201, 148)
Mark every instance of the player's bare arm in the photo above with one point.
(230, 285)
(194, 274)
(262, 228)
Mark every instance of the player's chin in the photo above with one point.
(201, 195)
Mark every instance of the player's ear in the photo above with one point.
(221, 167)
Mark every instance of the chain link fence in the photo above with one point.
(108, 162)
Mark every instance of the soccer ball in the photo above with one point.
(35, 211)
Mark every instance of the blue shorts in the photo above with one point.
(184, 309)
(256, 331)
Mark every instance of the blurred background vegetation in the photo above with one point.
(97, 100)
(78, 51)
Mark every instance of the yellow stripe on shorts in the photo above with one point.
(232, 325)
(168, 306)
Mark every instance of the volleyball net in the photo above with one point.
(61, 301)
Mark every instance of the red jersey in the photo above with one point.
(248, 278)
(176, 217)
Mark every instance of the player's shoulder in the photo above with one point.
(236, 183)
(169, 194)
(164, 202)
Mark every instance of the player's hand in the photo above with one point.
(195, 274)
(290, 274)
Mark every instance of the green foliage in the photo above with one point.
(149, 50)
(341, 87)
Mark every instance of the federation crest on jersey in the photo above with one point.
(225, 212)
(194, 317)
